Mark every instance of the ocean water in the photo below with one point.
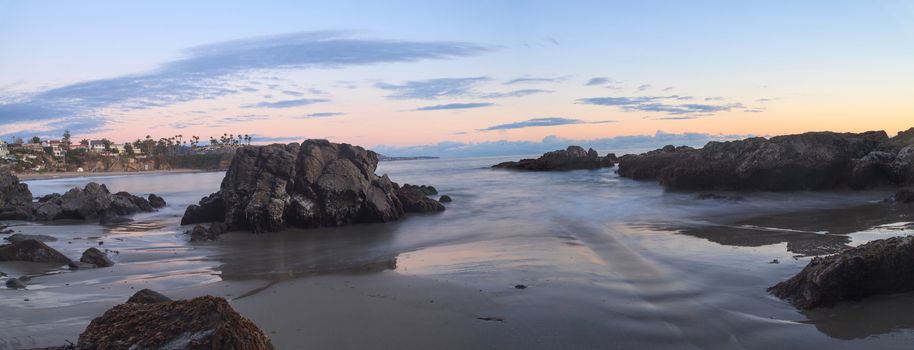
(608, 262)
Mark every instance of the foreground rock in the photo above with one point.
(92, 202)
(31, 250)
(574, 157)
(15, 197)
(148, 296)
(19, 237)
(317, 183)
(879, 267)
(810, 161)
(15, 283)
(96, 257)
(202, 323)
(156, 201)
(201, 234)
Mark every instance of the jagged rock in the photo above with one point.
(201, 323)
(883, 266)
(15, 283)
(148, 296)
(21, 237)
(414, 200)
(156, 201)
(31, 250)
(445, 199)
(317, 183)
(96, 257)
(423, 189)
(810, 161)
(93, 202)
(201, 234)
(574, 157)
(15, 197)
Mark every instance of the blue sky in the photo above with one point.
(462, 72)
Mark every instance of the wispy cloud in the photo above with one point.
(450, 106)
(531, 80)
(660, 104)
(293, 93)
(324, 114)
(432, 88)
(287, 103)
(515, 93)
(644, 87)
(538, 122)
(202, 72)
(598, 81)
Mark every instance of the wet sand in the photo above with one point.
(607, 262)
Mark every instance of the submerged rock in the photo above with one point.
(156, 201)
(92, 202)
(15, 283)
(201, 234)
(574, 157)
(423, 189)
(810, 161)
(317, 183)
(201, 323)
(15, 197)
(883, 266)
(445, 199)
(96, 257)
(31, 250)
(414, 199)
(148, 296)
(18, 237)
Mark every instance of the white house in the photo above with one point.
(96, 145)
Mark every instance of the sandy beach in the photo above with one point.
(74, 174)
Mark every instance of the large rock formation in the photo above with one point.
(317, 183)
(202, 323)
(31, 250)
(15, 197)
(574, 157)
(93, 202)
(879, 267)
(810, 161)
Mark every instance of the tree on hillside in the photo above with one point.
(36, 139)
(65, 142)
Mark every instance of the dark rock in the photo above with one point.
(148, 296)
(520, 286)
(96, 257)
(15, 197)
(92, 202)
(574, 157)
(423, 189)
(415, 200)
(202, 323)
(201, 234)
(317, 183)
(21, 237)
(31, 250)
(902, 196)
(810, 161)
(15, 283)
(883, 266)
(156, 201)
(445, 199)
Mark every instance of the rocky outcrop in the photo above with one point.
(31, 250)
(201, 234)
(201, 323)
(879, 267)
(810, 161)
(148, 296)
(574, 157)
(156, 201)
(317, 183)
(414, 199)
(96, 257)
(92, 202)
(15, 197)
(445, 199)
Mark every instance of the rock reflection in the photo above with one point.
(807, 233)
(863, 319)
(296, 253)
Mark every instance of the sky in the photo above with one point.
(455, 77)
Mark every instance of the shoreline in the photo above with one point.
(73, 174)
